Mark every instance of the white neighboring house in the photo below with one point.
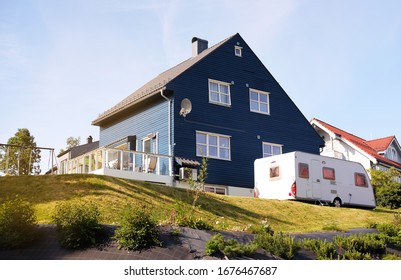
(381, 153)
(67, 166)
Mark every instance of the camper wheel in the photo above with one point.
(337, 202)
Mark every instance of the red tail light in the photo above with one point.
(255, 193)
(293, 190)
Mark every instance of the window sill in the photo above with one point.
(262, 113)
(220, 104)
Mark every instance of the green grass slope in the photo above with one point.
(166, 203)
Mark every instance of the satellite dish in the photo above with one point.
(186, 107)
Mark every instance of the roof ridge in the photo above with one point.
(325, 123)
(381, 138)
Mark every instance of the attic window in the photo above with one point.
(238, 51)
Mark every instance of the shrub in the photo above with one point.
(372, 244)
(323, 249)
(387, 189)
(17, 224)
(391, 257)
(215, 245)
(389, 229)
(137, 230)
(77, 223)
(262, 228)
(392, 232)
(229, 247)
(278, 244)
(355, 255)
(389, 196)
(193, 222)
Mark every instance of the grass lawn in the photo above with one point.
(223, 212)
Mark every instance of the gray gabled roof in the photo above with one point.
(155, 85)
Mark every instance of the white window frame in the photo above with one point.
(214, 190)
(238, 51)
(259, 102)
(209, 146)
(219, 93)
(272, 146)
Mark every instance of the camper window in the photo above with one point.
(303, 170)
(360, 180)
(274, 172)
(329, 173)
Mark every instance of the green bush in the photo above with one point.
(137, 229)
(323, 249)
(215, 245)
(355, 255)
(391, 257)
(229, 247)
(392, 232)
(262, 228)
(371, 244)
(193, 222)
(389, 229)
(77, 224)
(17, 224)
(387, 189)
(278, 244)
(389, 196)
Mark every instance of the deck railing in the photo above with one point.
(108, 158)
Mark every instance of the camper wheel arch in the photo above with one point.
(337, 202)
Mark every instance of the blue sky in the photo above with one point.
(64, 62)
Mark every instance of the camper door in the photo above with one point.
(316, 178)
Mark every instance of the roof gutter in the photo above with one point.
(169, 134)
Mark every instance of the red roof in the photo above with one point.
(381, 144)
(371, 147)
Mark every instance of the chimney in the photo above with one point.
(198, 46)
(89, 139)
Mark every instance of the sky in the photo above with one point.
(62, 63)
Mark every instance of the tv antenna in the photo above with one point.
(186, 107)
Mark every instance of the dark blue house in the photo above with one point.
(222, 103)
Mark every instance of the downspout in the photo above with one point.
(169, 132)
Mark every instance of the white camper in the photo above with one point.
(310, 177)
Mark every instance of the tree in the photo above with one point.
(387, 188)
(198, 184)
(20, 156)
(71, 143)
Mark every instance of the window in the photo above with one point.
(329, 173)
(274, 172)
(259, 101)
(213, 145)
(360, 180)
(271, 149)
(219, 93)
(238, 51)
(303, 170)
(216, 190)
